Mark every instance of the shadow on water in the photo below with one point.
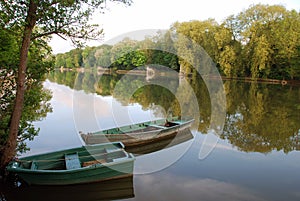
(180, 137)
(106, 190)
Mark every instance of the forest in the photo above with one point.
(262, 41)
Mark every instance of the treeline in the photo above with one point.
(260, 42)
(125, 55)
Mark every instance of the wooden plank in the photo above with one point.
(72, 161)
(88, 163)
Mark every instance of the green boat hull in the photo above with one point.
(95, 163)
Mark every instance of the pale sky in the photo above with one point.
(161, 14)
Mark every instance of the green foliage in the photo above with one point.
(130, 60)
(71, 59)
(34, 22)
(126, 56)
(270, 35)
(103, 55)
(36, 98)
(161, 50)
(8, 49)
(35, 108)
(88, 57)
(60, 60)
(261, 42)
(64, 18)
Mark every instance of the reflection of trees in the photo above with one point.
(126, 87)
(261, 117)
(151, 95)
(36, 107)
(66, 78)
(105, 85)
(204, 104)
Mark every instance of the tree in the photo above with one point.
(88, 57)
(36, 98)
(228, 54)
(102, 56)
(270, 36)
(196, 34)
(38, 19)
(60, 61)
(126, 55)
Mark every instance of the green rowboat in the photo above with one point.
(139, 134)
(74, 166)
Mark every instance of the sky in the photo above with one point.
(119, 19)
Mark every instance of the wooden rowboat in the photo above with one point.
(139, 134)
(74, 166)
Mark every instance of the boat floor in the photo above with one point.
(147, 128)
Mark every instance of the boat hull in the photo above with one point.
(138, 137)
(95, 163)
(89, 175)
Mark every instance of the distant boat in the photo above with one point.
(140, 133)
(74, 166)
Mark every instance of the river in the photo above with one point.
(249, 151)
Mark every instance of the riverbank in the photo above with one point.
(263, 80)
(102, 70)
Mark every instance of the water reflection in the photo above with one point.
(256, 159)
(259, 117)
(106, 190)
(182, 136)
(192, 189)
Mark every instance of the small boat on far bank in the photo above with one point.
(140, 133)
(84, 164)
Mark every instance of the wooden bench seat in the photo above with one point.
(72, 161)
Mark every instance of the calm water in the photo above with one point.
(256, 157)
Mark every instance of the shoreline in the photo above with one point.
(144, 73)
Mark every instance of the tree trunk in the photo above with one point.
(9, 150)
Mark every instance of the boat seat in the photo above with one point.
(111, 150)
(34, 166)
(72, 161)
(110, 153)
